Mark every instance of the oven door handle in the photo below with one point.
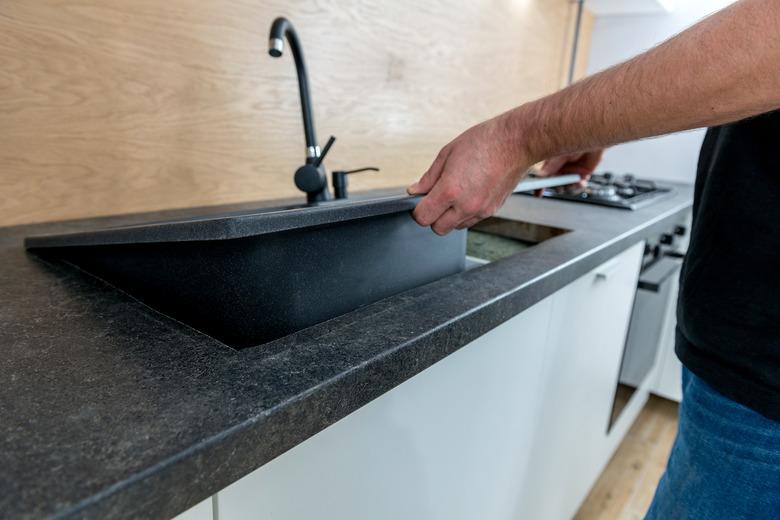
(656, 276)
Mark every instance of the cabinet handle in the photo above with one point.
(605, 270)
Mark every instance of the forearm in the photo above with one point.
(723, 69)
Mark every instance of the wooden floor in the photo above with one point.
(625, 489)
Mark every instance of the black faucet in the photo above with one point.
(310, 177)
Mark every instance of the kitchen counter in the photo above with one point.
(109, 409)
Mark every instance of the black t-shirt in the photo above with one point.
(728, 312)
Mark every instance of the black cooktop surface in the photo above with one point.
(617, 191)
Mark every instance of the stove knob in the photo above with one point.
(667, 239)
(629, 178)
(608, 176)
(680, 231)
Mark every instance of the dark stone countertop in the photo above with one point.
(111, 410)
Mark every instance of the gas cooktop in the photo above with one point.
(617, 191)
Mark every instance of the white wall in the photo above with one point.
(610, 7)
(617, 38)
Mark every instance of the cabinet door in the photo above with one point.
(201, 511)
(588, 330)
(450, 443)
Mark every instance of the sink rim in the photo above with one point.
(241, 224)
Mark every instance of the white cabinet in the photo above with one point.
(513, 425)
(451, 443)
(202, 511)
(587, 333)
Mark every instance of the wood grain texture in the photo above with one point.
(113, 106)
(625, 489)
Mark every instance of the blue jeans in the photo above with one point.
(725, 462)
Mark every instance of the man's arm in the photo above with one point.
(723, 69)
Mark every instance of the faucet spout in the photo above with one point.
(281, 29)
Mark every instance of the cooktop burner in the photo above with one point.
(607, 189)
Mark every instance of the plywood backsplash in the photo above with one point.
(115, 106)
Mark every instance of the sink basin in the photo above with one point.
(246, 278)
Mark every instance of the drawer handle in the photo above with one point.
(606, 269)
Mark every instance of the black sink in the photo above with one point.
(247, 278)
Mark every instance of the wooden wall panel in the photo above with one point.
(113, 106)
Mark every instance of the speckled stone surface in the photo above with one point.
(235, 224)
(111, 410)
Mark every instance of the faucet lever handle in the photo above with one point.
(324, 152)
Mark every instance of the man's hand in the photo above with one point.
(582, 164)
(471, 177)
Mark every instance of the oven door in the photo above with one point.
(644, 330)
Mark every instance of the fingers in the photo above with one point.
(553, 166)
(429, 178)
(462, 213)
(447, 222)
(591, 160)
(587, 164)
(432, 206)
(444, 211)
(583, 164)
(468, 223)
